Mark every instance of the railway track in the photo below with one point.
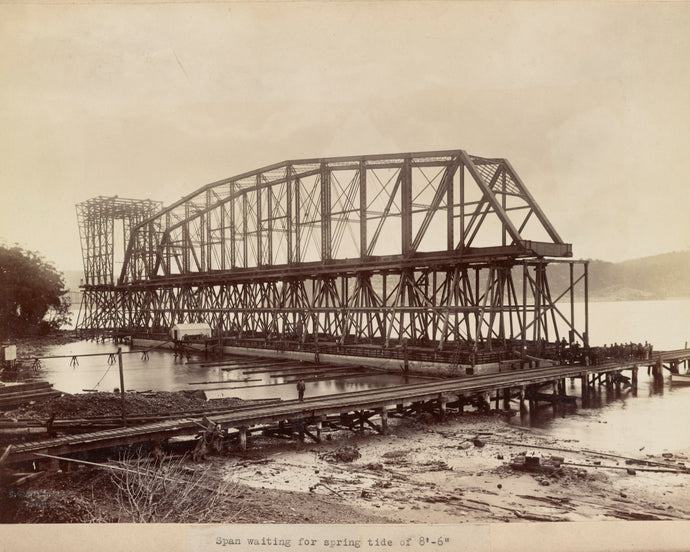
(378, 399)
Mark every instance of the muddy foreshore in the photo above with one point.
(458, 470)
(455, 471)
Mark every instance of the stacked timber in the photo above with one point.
(15, 394)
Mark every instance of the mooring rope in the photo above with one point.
(103, 376)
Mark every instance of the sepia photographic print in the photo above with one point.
(337, 276)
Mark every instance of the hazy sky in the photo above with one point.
(589, 102)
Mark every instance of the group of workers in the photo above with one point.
(628, 351)
(574, 353)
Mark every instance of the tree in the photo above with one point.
(33, 298)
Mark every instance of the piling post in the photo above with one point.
(591, 386)
(384, 421)
(522, 399)
(243, 438)
(442, 400)
(122, 386)
(506, 398)
(319, 428)
(486, 402)
(406, 359)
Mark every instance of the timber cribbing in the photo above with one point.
(311, 408)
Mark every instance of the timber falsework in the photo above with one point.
(442, 250)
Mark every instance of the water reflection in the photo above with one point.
(163, 372)
(619, 420)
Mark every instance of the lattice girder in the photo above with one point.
(339, 209)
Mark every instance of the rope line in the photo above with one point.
(103, 376)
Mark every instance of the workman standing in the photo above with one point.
(300, 389)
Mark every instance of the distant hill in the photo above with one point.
(663, 276)
(658, 277)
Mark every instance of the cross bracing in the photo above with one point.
(431, 248)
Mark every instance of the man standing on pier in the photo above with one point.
(300, 389)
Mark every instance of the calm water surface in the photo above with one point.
(163, 372)
(656, 420)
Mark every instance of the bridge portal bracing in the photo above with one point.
(439, 250)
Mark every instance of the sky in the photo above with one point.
(588, 101)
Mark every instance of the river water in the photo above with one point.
(163, 372)
(655, 420)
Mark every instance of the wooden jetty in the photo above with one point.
(669, 360)
(357, 410)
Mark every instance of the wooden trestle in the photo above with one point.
(361, 409)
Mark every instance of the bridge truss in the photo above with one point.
(439, 250)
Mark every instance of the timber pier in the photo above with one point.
(356, 411)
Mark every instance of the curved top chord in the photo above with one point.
(340, 214)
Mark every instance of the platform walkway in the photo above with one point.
(353, 408)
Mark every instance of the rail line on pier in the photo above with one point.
(360, 405)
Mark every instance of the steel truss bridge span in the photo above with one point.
(429, 248)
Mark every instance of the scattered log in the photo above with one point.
(5, 454)
(28, 477)
(585, 451)
(243, 380)
(538, 517)
(325, 487)
(559, 501)
(654, 470)
(635, 516)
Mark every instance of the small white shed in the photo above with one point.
(180, 332)
(8, 353)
